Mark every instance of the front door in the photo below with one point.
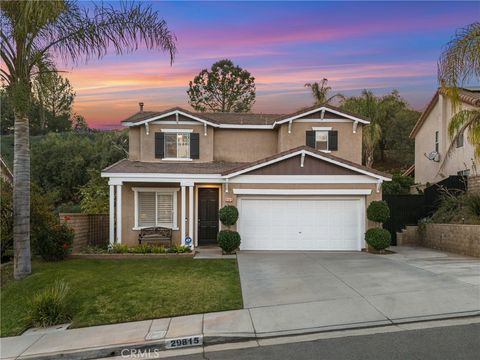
(207, 216)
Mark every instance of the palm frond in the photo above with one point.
(460, 59)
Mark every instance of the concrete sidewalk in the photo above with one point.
(451, 294)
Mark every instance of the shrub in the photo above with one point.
(399, 185)
(119, 248)
(378, 211)
(378, 238)
(179, 249)
(472, 201)
(228, 215)
(55, 242)
(228, 240)
(50, 306)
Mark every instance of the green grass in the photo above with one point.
(111, 291)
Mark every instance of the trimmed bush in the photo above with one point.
(378, 238)
(228, 240)
(50, 306)
(55, 242)
(378, 211)
(228, 215)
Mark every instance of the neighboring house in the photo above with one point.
(432, 140)
(5, 172)
(296, 179)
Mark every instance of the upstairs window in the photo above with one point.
(460, 140)
(437, 141)
(321, 140)
(177, 145)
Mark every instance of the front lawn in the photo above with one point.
(111, 291)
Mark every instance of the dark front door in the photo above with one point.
(207, 216)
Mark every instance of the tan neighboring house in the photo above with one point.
(296, 179)
(432, 140)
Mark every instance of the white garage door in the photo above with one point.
(280, 223)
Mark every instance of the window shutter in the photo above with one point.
(194, 146)
(159, 145)
(310, 138)
(165, 209)
(333, 140)
(146, 208)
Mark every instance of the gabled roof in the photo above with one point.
(468, 96)
(228, 120)
(306, 150)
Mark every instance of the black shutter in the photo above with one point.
(159, 145)
(310, 139)
(333, 140)
(194, 146)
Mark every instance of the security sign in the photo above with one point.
(188, 241)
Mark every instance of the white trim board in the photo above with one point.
(306, 152)
(302, 192)
(240, 126)
(303, 179)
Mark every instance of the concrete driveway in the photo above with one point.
(285, 291)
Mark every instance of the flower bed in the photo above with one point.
(123, 251)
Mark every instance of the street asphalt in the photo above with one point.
(442, 343)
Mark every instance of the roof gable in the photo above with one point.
(303, 152)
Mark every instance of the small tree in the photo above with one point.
(228, 240)
(224, 88)
(378, 238)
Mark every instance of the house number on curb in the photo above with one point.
(184, 342)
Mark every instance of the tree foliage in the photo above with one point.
(61, 162)
(320, 92)
(33, 33)
(226, 87)
(94, 194)
(391, 121)
(459, 64)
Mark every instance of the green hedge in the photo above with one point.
(228, 240)
(228, 215)
(378, 211)
(378, 238)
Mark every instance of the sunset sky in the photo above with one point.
(375, 45)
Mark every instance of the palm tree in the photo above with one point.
(33, 33)
(458, 64)
(320, 92)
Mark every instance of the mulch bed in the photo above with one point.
(130, 256)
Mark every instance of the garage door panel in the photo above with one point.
(300, 224)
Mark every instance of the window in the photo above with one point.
(321, 140)
(155, 207)
(177, 145)
(436, 141)
(460, 140)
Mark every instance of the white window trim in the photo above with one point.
(165, 146)
(174, 191)
(322, 128)
(177, 130)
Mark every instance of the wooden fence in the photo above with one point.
(90, 229)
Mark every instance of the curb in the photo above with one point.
(159, 345)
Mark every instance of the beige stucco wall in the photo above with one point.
(461, 159)
(130, 236)
(146, 143)
(349, 143)
(234, 145)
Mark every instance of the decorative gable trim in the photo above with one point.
(322, 109)
(304, 152)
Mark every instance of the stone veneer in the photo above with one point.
(474, 184)
(456, 238)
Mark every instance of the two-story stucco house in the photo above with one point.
(296, 179)
(432, 140)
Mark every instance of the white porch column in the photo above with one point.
(190, 214)
(119, 214)
(111, 213)
(182, 214)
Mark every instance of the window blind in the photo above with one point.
(146, 209)
(165, 209)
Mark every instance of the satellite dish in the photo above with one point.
(433, 156)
